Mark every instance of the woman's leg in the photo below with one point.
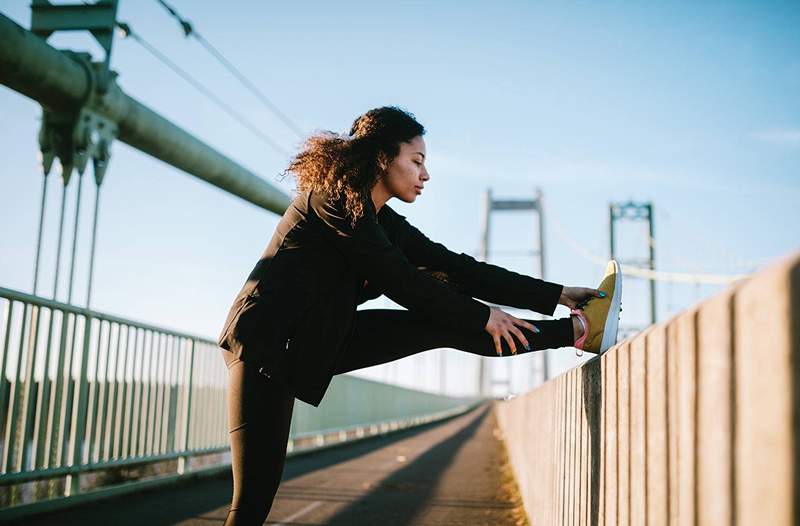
(259, 416)
(383, 335)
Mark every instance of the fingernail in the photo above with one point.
(527, 347)
(602, 294)
(536, 329)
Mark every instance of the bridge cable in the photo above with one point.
(128, 32)
(189, 30)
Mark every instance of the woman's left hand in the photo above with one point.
(573, 296)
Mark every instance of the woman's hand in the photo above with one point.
(503, 325)
(573, 296)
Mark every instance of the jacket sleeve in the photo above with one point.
(474, 278)
(387, 269)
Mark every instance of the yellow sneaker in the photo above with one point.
(600, 316)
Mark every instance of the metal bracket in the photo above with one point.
(76, 136)
(98, 18)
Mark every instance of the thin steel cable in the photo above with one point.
(128, 32)
(75, 239)
(93, 247)
(60, 238)
(39, 237)
(189, 30)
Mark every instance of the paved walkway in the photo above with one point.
(452, 473)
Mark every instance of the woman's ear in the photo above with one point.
(383, 163)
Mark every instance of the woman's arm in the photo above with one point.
(475, 278)
(387, 269)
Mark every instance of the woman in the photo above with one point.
(294, 324)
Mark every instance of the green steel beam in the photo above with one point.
(31, 67)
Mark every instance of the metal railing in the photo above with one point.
(82, 391)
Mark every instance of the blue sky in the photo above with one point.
(694, 106)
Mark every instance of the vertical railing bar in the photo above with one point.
(187, 410)
(169, 416)
(138, 336)
(113, 426)
(14, 399)
(133, 449)
(43, 402)
(136, 409)
(206, 402)
(28, 405)
(112, 400)
(180, 367)
(158, 427)
(69, 332)
(165, 395)
(157, 399)
(54, 411)
(173, 395)
(113, 343)
(94, 420)
(137, 415)
(130, 403)
(6, 355)
(125, 403)
(104, 351)
(159, 413)
(197, 432)
(144, 410)
(78, 428)
(192, 422)
(91, 405)
(151, 393)
(164, 408)
(202, 401)
(7, 414)
(165, 403)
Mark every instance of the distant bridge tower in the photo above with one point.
(512, 205)
(632, 211)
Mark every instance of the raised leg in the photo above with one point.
(385, 335)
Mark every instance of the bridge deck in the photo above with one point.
(452, 473)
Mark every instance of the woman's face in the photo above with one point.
(406, 174)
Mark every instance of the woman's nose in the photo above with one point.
(425, 175)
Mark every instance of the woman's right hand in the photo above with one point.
(503, 325)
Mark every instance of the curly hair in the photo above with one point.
(347, 168)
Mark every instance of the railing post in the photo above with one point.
(187, 408)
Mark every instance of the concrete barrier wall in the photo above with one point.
(693, 421)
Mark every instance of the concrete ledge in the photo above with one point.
(694, 420)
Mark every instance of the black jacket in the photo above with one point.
(295, 312)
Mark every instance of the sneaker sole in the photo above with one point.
(612, 321)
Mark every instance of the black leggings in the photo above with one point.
(260, 410)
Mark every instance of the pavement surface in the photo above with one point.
(451, 473)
